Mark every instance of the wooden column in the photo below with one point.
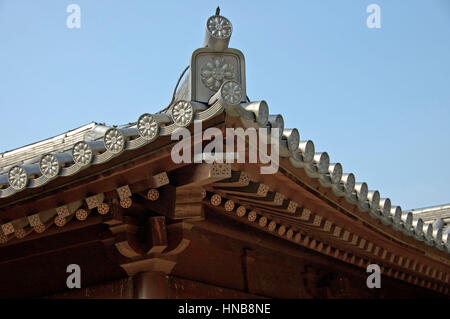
(151, 285)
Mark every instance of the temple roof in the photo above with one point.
(31, 153)
(35, 165)
(438, 216)
(431, 213)
(63, 161)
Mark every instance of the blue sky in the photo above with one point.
(377, 100)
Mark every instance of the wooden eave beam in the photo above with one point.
(351, 243)
(324, 196)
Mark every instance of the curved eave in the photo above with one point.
(314, 174)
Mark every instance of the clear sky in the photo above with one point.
(377, 100)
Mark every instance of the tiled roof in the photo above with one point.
(31, 153)
(97, 140)
(65, 155)
(430, 214)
